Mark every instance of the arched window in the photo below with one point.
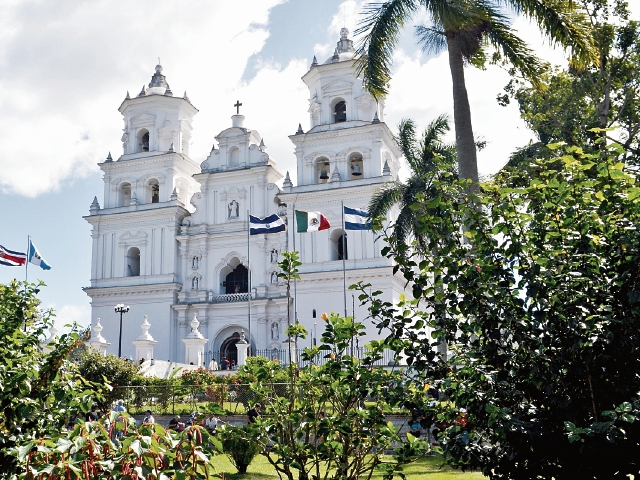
(322, 170)
(234, 157)
(133, 262)
(154, 191)
(338, 245)
(340, 112)
(237, 281)
(313, 315)
(355, 166)
(143, 140)
(124, 194)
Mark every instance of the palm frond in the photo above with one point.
(500, 35)
(433, 41)
(406, 140)
(381, 28)
(384, 198)
(564, 23)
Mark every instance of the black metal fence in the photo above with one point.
(236, 399)
(282, 356)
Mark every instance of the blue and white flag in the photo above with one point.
(356, 219)
(36, 258)
(271, 224)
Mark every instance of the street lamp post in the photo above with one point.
(121, 309)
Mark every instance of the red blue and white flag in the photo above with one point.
(11, 258)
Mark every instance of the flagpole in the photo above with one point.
(26, 265)
(295, 285)
(249, 277)
(344, 254)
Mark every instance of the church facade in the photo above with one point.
(171, 238)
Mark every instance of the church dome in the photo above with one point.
(158, 84)
(344, 49)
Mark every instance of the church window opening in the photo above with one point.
(322, 170)
(339, 248)
(340, 112)
(133, 262)
(355, 166)
(143, 140)
(154, 190)
(124, 195)
(234, 157)
(313, 315)
(237, 281)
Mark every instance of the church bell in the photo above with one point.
(356, 171)
(323, 174)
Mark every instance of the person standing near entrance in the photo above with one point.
(224, 364)
(213, 365)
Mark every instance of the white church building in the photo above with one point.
(170, 239)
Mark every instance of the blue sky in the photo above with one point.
(65, 67)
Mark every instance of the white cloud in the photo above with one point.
(65, 66)
(69, 314)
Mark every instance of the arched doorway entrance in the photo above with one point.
(229, 350)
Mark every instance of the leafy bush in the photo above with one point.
(238, 445)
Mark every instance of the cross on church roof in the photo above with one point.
(238, 105)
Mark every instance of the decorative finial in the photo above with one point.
(335, 176)
(336, 56)
(300, 131)
(344, 33)
(127, 97)
(185, 96)
(109, 159)
(375, 118)
(97, 328)
(95, 206)
(145, 330)
(171, 148)
(314, 62)
(142, 92)
(287, 181)
(386, 170)
(134, 199)
(174, 194)
(262, 145)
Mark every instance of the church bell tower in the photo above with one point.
(146, 197)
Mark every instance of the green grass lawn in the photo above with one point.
(426, 468)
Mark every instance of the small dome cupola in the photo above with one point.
(344, 48)
(158, 84)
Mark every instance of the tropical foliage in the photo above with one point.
(542, 317)
(574, 101)
(466, 29)
(428, 159)
(39, 392)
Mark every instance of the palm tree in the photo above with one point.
(428, 159)
(466, 28)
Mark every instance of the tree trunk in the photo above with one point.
(465, 144)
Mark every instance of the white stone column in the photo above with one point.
(45, 345)
(290, 347)
(194, 343)
(243, 347)
(98, 342)
(144, 343)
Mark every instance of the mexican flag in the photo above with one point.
(310, 221)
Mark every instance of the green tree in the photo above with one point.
(108, 370)
(604, 95)
(465, 28)
(542, 315)
(428, 158)
(40, 392)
